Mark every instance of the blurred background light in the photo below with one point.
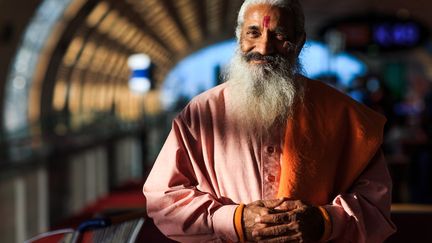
(139, 81)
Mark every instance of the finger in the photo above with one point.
(256, 203)
(279, 218)
(292, 211)
(260, 226)
(283, 239)
(277, 230)
(290, 205)
(273, 203)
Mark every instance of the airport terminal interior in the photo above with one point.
(89, 89)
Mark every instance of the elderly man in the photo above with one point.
(271, 156)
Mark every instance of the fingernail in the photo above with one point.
(257, 220)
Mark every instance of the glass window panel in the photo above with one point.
(75, 92)
(97, 14)
(73, 51)
(24, 64)
(108, 22)
(60, 92)
(86, 55)
(100, 55)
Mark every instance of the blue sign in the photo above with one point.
(402, 34)
(380, 31)
(140, 73)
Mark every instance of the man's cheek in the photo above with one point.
(245, 47)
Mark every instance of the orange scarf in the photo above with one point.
(328, 143)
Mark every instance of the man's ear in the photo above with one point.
(300, 43)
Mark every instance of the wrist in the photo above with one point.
(327, 227)
(238, 222)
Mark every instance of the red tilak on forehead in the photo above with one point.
(266, 21)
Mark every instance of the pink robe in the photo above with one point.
(208, 166)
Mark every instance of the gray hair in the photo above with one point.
(292, 6)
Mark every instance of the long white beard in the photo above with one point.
(263, 95)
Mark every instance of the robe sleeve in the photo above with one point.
(363, 214)
(179, 195)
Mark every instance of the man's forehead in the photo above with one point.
(264, 14)
(266, 21)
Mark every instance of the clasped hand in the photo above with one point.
(282, 220)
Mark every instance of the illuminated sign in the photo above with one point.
(399, 34)
(383, 32)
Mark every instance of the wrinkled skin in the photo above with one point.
(282, 220)
(268, 31)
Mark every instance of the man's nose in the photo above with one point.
(264, 45)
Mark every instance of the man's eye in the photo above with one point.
(281, 36)
(253, 33)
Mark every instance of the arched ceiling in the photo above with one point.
(82, 67)
(96, 43)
